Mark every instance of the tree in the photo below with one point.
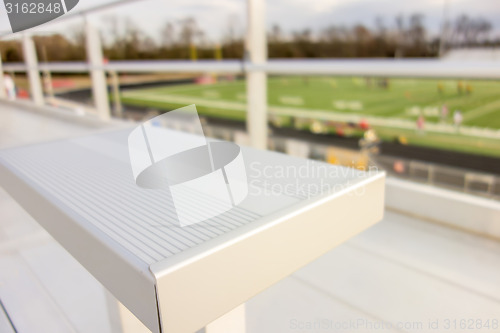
(167, 35)
(276, 35)
(189, 31)
(417, 34)
(232, 40)
(467, 31)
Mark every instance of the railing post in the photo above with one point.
(115, 83)
(47, 77)
(94, 57)
(3, 93)
(256, 52)
(31, 61)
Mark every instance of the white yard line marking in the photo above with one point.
(186, 88)
(292, 100)
(190, 100)
(320, 115)
(482, 110)
(211, 93)
(349, 105)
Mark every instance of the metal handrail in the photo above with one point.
(420, 68)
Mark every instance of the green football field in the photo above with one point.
(391, 107)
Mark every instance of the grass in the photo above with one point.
(403, 99)
(481, 146)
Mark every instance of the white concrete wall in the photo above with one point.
(464, 211)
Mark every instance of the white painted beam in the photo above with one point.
(31, 61)
(414, 68)
(95, 59)
(256, 51)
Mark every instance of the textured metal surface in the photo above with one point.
(83, 192)
(92, 177)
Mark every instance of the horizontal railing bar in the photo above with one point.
(419, 68)
(233, 66)
(14, 67)
(77, 67)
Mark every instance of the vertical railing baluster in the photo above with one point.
(256, 54)
(33, 72)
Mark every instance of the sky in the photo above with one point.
(213, 16)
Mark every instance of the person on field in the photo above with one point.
(420, 124)
(468, 89)
(457, 119)
(444, 113)
(440, 87)
(10, 87)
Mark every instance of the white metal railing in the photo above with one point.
(227, 66)
(432, 68)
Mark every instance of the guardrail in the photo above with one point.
(420, 68)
